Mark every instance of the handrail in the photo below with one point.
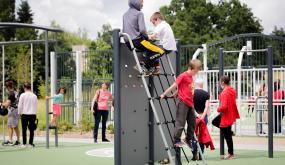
(5, 25)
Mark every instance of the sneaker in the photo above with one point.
(147, 73)
(23, 146)
(16, 143)
(200, 157)
(189, 143)
(179, 144)
(52, 127)
(154, 57)
(95, 141)
(105, 140)
(8, 143)
(229, 157)
(195, 157)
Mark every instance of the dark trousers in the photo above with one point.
(28, 121)
(152, 51)
(104, 115)
(278, 116)
(228, 134)
(184, 113)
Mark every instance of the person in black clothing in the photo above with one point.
(13, 117)
(278, 108)
(201, 105)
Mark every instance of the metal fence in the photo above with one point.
(257, 59)
(253, 82)
(186, 52)
(253, 76)
(95, 68)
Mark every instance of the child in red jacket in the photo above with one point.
(229, 111)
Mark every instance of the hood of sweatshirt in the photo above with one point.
(231, 91)
(136, 4)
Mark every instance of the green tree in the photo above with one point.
(105, 34)
(189, 20)
(7, 14)
(25, 15)
(278, 32)
(19, 63)
(232, 17)
(200, 21)
(66, 40)
(100, 60)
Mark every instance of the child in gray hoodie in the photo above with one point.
(134, 25)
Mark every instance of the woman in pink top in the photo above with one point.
(102, 97)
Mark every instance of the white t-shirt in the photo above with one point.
(165, 34)
(28, 103)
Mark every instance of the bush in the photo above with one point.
(86, 125)
(42, 92)
(64, 126)
(110, 128)
(41, 126)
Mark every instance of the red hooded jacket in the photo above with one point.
(202, 132)
(228, 107)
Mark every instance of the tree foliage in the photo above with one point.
(7, 14)
(278, 32)
(200, 21)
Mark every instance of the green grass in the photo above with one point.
(74, 154)
(66, 153)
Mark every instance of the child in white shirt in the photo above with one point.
(163, 33)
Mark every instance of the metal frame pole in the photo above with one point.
(3, 72)
(32, 78)
(205, 62)
(53, 69)
(117, 94)
(78, 86)
(270, 101)
(239, 103)
(46, 88)
(177, 150)
(178, 69)
(32, 67)
(151, 124)
(3, 86)
(221, 73)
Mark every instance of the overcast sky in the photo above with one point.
(92, 14)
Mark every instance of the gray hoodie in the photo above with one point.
(133, 20)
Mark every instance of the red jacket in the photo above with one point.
(228, 107)
(202, 132)
(278, 96)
